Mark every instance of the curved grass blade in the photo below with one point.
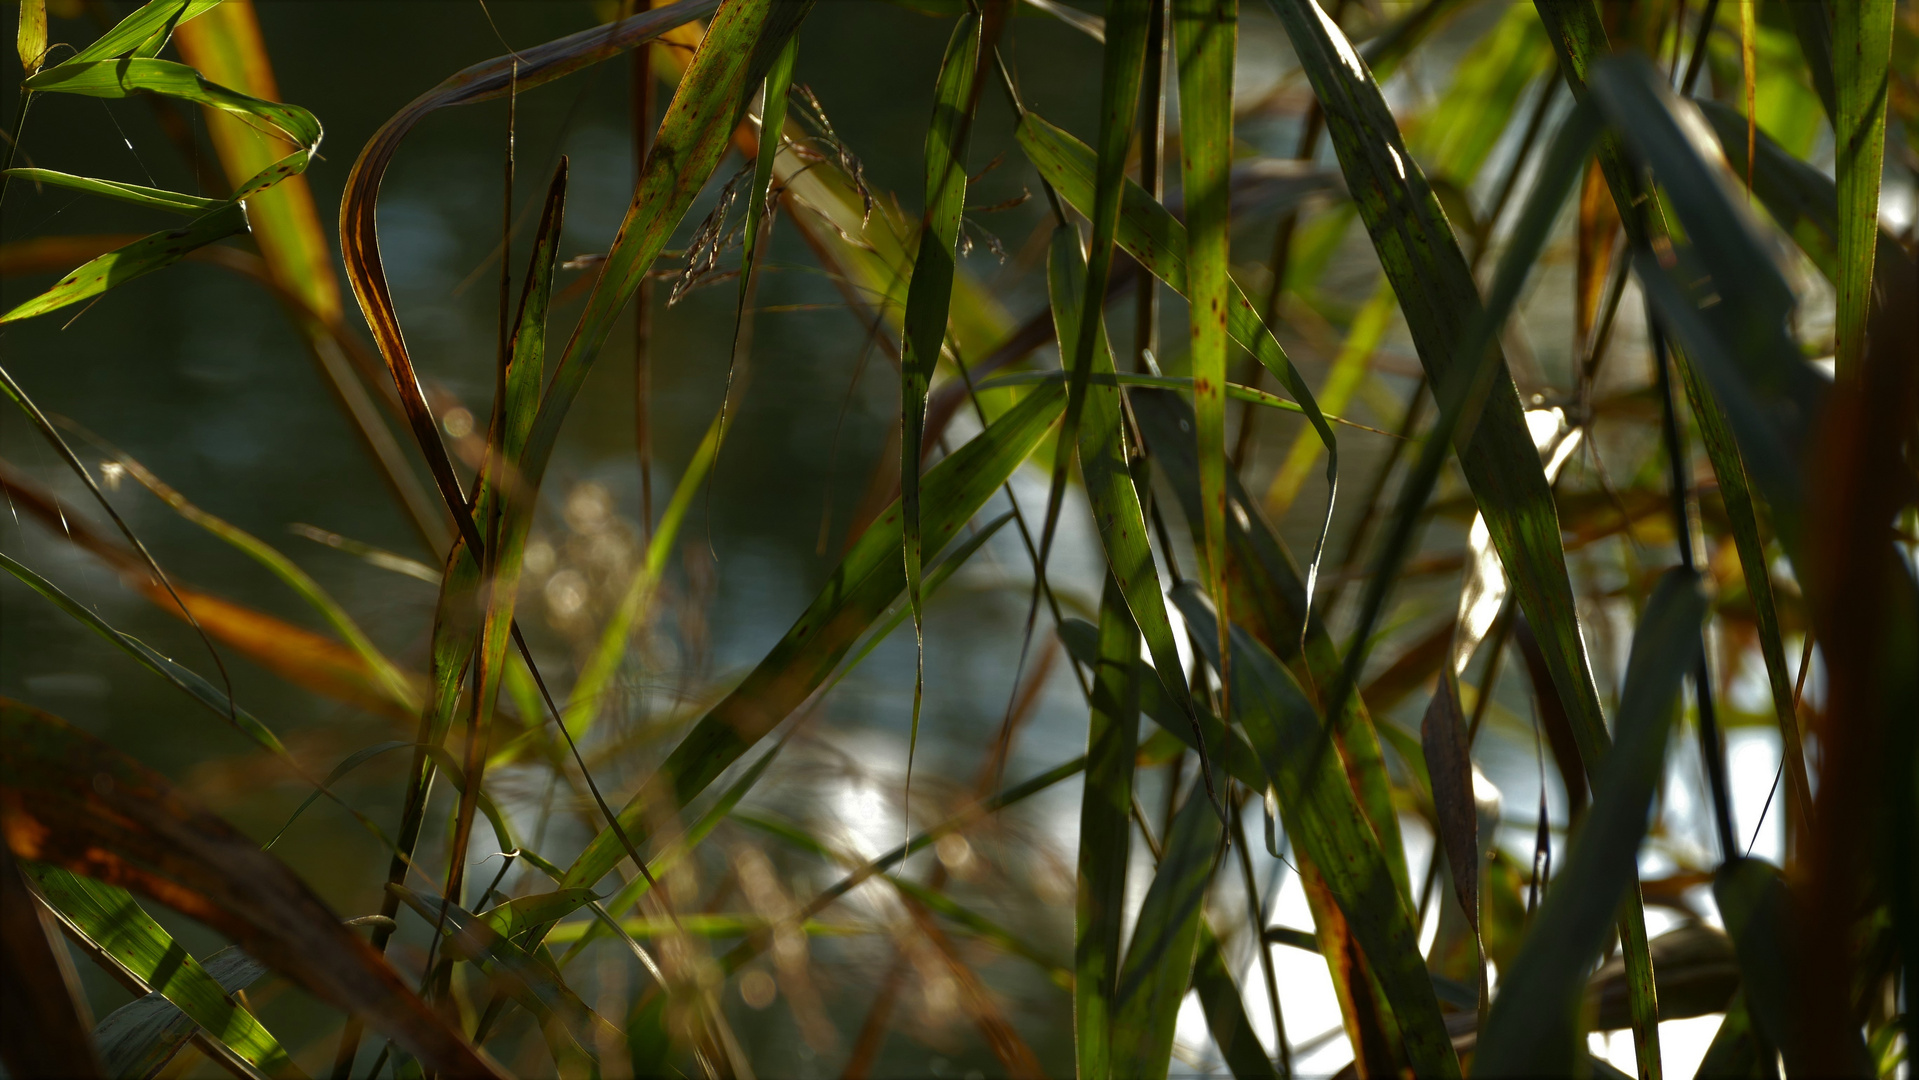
(73, 802)
(156, 17)
(348, 764)
(119, 78)
(1328, 825)
(359, 243)
(140, 1037)
(1235, 391)
(1105, 834)
(867, 580)
(42, 1032)
(955, 95)
(109, 917)
(1158, 968)
(1533, 1027)
(1105, 463)
(1861, 63)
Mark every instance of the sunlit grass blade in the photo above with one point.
(140, 1037)
(226, 46)
(1348, 371)
(137, 194)
(76, 803)
(604, 662)
(1105, 835)
(866, 582)
(1154, 977)
(1328, 825)
(1862, 72)
(30, 40)
(1105, 464)
(109, 917)
(384, 672)
(137, 259)
(43, 1033)
(138, 27)
(1235, 391)
(1534, 1025)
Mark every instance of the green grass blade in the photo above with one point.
(76, 803)
(1723, 298)
(1534, 1025)
(927, 300)
(1742, 515)
(121, 78)
(1082, 340)
(1236, 756)
(604, 662)
(772, 131)
(859, 591)
(1105, 465)
(1812, 25)
(110, 918)
(1273, 608)
(1158, 968)
(741, 45)
(384, 673)
(137, 194)
(129, 33)
(140, 1037)
(1800, 198)
(142, 257)
(1328, 825)
(1861, 62)
(1105, 834)
(1150, 234)
(1225, 1011)
(934, 900)
(1206, 35)
(573, 1031)
(181, 676)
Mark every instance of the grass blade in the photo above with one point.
(955, 96)
(74, 802)
(1205, 37)
(1158, 968)
(867, 580)
(156, 17)
(1104, 460)
(1533, 1028)
(1225, 1011)
(140, 1037)
(1150, 234)
(572, 1030)
(1327, 824)
(1861, 61)
(139, 195)
(1105, 834)
(109, 917)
